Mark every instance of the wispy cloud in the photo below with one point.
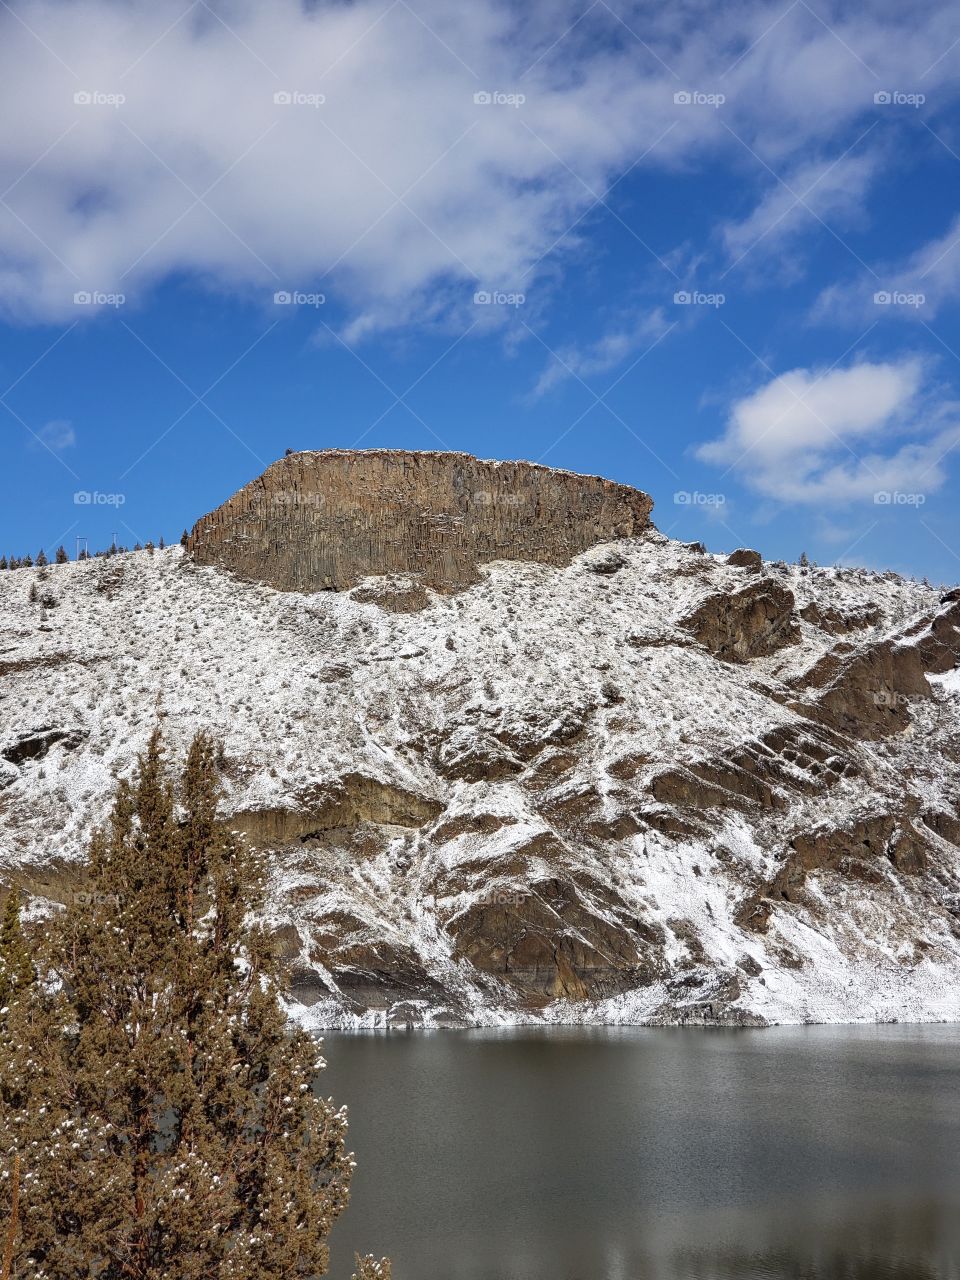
(631, 337)
(57, 435)
(914, 287)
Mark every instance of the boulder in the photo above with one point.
(750, 623)
(744, 558)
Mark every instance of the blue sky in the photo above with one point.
(709, 250)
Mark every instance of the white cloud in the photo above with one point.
(398, 190)
(57, 435)
(831, 190)
(838, 436)
(916, 287)
(632, 337)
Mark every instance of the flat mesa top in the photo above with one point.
(326, 519)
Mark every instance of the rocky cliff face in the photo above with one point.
(320, 521)
(644, 784)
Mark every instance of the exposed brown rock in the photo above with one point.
(393, 592)
(940, 647)
(838, 622)
(475, 756)
(751, 623)
(744, 558)
(370, 970)
(857, 852)
(550, 941)
(712, 783)
(349, 802)
(325, 520)
(35, 744)
(867, 694)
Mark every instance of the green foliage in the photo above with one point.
(163, 1111)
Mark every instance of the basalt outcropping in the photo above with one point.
(327, 520)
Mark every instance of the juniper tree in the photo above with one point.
(162, 1110)
(16, 971)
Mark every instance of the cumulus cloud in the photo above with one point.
(839, 435)
(149, 143)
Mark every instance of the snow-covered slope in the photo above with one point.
(650, 786)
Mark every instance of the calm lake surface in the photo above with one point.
(628, 1154)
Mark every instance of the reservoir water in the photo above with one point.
(641, 1154)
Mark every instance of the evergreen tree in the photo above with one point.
(161, 544)
(161, 1108)
(149, 547)
(184, 538)
(137, 546)
(41, 559)
(16, 971)
(27, 562)
(33, 594)
(61, 556)
(3, 562)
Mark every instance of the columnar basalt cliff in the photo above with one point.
(325, 520)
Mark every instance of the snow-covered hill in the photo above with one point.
(649, 786)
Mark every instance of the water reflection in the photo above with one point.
(815, 1153)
